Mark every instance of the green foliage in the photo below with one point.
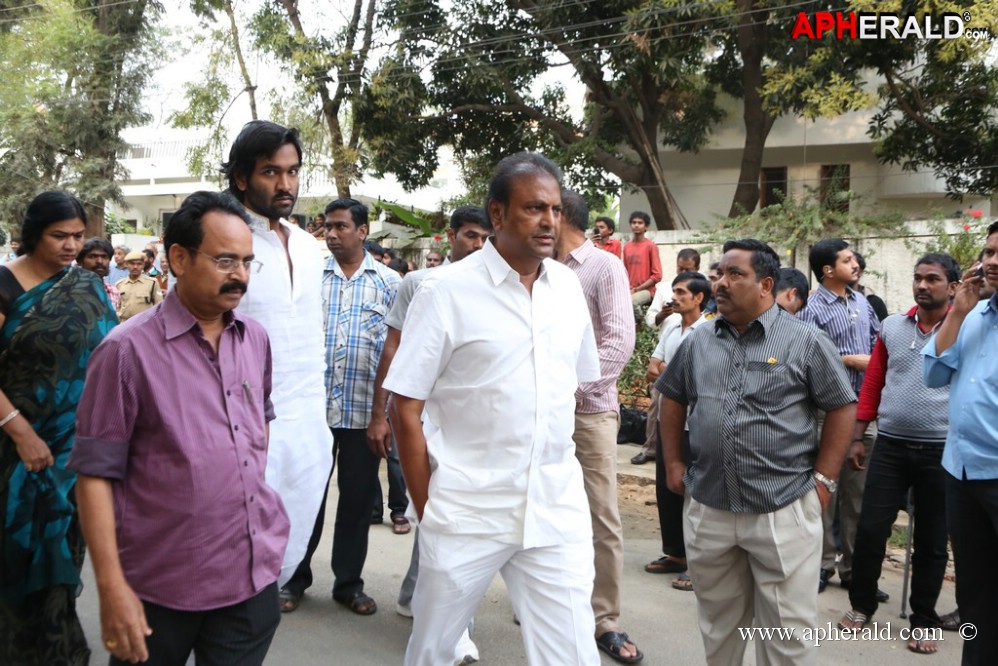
(802, 221)
(632, 385)
(74, 72)
(964, 245)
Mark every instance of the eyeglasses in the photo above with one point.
(230, 265)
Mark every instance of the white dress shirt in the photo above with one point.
(300, 454)
(498, 368)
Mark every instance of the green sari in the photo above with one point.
(45, 343)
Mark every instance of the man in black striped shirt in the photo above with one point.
(754, 380)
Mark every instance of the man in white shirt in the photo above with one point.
(493, 348)
(286, 297)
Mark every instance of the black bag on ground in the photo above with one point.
(632, 425)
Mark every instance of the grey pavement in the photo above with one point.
(660, 620)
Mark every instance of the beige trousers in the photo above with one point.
(596, 448)
(758, 570)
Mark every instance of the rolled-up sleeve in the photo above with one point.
(106, 413)
(938, 369)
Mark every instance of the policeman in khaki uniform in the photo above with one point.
(139, 292)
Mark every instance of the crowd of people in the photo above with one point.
(180, 418)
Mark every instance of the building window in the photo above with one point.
(772, 186)
(834, 187)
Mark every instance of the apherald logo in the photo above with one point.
(853, 25)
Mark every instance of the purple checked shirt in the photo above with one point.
(181, 433)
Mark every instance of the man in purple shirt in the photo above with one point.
(185, 536)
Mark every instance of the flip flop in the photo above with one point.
(683, 582)
(400, 525)
(665, 565)
(611, 642)
(288, 600)
(359, 603)
(853, 617)
(950, 621)
(922, 647)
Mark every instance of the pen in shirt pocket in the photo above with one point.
(246, 387)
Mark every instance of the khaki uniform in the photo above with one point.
(137, 296)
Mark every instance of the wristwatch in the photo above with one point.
(829, 484)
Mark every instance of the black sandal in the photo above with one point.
(612, 641)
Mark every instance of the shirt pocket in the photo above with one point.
(768, 382)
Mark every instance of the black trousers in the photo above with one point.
(895, 466)
(357, 481)
(397, 500)
(972, 515)
(670, 505)
(239, 634)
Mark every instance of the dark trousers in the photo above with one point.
(357, 481)
(670, 505)
(895, 466)
(972, 515)
(238, 634)
(397, 500)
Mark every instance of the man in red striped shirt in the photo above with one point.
(597, 415)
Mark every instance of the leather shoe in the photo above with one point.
(881, 596)
(641, 459)
(823, 577)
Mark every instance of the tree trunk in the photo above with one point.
(95, 218)
(663, 207)
(758, 123)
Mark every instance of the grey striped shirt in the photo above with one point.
(754, 400)
(850, 322)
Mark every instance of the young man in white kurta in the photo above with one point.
(497, 368)
(286, 297)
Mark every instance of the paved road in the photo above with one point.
(661, 620)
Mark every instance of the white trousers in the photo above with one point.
(755, 569)
(550, 589)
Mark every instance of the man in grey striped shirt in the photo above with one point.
(754, 380)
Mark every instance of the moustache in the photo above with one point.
(233, 286)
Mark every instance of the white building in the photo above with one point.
(798, 153)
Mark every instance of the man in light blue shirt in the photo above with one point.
(964, 354)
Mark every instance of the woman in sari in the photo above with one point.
(52, 316)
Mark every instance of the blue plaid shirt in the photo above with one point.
(354, 311)
(850, 322)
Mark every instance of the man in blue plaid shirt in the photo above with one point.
(357, 292)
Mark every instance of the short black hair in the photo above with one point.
(714, 265)
(641, 215)
(574, 210)
(92, 244)
(46, 209)
(791, 278)
(765, 261)
(944, 261)
(399, 265)
(374, 248)
(689, 253)
(516, 166)
(696, 283)
(258, 138)
(358, 211)
(824, 253)
(185, 228)
(607, 221)
(149, 253)
(859, 260)
(469, 215)
(992, 228)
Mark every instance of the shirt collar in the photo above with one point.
(829, 296)
(368, 265)
(992, 304)
(497, 267)
(583, 252)
(765, 321)
(178, 320)
(260, 223)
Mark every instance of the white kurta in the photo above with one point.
(301, 447)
